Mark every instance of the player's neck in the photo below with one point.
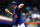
(13, 8)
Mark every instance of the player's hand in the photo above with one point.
(21, 5)
(6, 10)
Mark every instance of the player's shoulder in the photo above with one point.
(18, 8)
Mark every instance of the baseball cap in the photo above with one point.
(13, 2)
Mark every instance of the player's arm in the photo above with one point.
(8, 12)
(20, 6)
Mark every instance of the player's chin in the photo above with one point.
(13, 9)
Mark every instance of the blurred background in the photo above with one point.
(30, 11)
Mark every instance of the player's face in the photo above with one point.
(14, 5)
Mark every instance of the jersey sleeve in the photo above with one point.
(16, 10)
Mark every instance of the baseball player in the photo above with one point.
(16, 15)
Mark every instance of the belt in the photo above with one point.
(17, 24)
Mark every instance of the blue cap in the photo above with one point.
(13, 2)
